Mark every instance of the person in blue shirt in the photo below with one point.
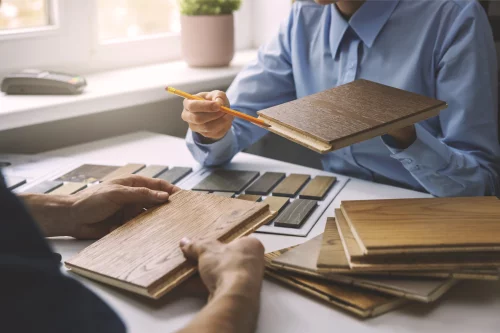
(441, 49)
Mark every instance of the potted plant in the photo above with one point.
(207, 32)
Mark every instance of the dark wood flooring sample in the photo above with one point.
(44, 187)
(226, 180)
(152, 171)
(291, 185)
(317, 188)
(296, 213)
(265, 183)
(12, 182)
(69, 188)
(250, 197)
(225, 194)
(174, 175)
(88, 173)
(352, 112)
(124, 171)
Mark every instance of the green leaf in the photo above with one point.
(208, 7)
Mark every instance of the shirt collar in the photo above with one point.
(367, 22)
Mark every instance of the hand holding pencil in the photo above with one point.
(209, 115)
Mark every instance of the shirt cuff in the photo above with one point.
(426, 153)
(211, 154)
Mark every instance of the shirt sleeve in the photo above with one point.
(36, 296)
(462, 160)
(265, 82)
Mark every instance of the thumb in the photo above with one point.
(194, 250)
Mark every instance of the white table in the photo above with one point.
(472, 306)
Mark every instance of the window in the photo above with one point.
(83, 36)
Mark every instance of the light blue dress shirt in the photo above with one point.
(442, 49)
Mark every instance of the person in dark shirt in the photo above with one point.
(37, 297)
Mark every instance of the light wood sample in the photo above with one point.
(317, 188)
(152, 171)
(296, 213)
(302, 260)
(69, 188)
(276, 204)
(143, 255)
(291, 185)
(348, 114)
(124, 171)
(88, 173)
(226, 180)
(250, 197)
(362, 302)
(225, 194)
(265, 183)
(175, 175)
(425, 225)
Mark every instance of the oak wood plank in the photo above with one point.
(276, 204)
(317, 188)
(332, 252)
(296, 213)
(88, 173)
(250, 197)
(68, 188)
(226, 180)
(265, 183)
(152, 171)
(291, 185)
(175, 174)
(123, 171)
(225, 194)
(143, 255)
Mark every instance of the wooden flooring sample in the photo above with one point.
(265, 183)
(69, 188)
(143, 255)
(12, 182)
(225, 194)
(348, 114)
(276, 204)
(425, 225)
(46, 186)
(302, 260)
(351, 246)
(296, 213)
(88, 173)
(317, 188)
(362, 302)
(226, 180)
(124, 171)
(152, 171)
(175, 175)
(332, 254)
(291, 185)
(250, 197)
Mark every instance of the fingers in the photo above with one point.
(143, 196)
(150, 183)
(194, 250)
(214, 100)
(218, 96)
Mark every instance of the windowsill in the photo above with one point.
(117, 89)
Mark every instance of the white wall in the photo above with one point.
(267, 16)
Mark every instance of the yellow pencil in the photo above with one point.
(225, 109)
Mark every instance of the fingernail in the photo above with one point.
(185, 241)
(216, 107)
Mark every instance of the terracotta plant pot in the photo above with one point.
(207, 40)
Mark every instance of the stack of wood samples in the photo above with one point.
(348, 114)
(143, 255)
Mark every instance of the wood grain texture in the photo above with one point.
(88, 173)
(123, 171)
(68, 189)
(296, 213)
(425, 225)
(12, 181)
(317, 188)
(350, 113)
(143, 256)
(291, 185)
(341, 227)
(332, 252)
(175, 175)
(44, 187)
(226, 180)
(265, 183)
(225, 194)
(276, 204)
(250, 197)
(152, 171)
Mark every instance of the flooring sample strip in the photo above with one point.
(348, 114)
(124, 171)
(401, 226)
(362, 302)
(265, 183)
(143, 255)
(88, 173)
(250, 197)
(291, 185)
(152, 171)
(225, 194)
(69, 188)
(46, 186)
(12, 182)
(317, 188)
(276, 204)
(221, 180)
(295, 214)
(302, 260)
(175, 175)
